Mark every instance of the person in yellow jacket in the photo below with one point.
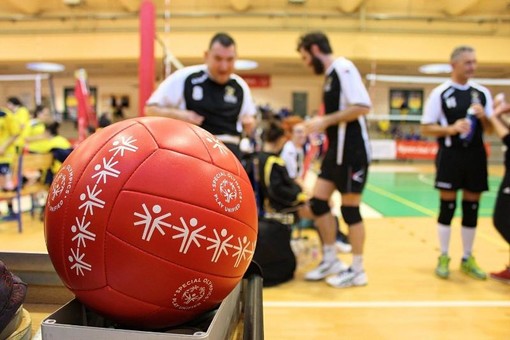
(36, 128)
(10, 130)
(22, 116)
(52, 142)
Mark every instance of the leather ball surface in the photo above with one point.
(150, 222)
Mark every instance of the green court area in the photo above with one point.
(399, 194)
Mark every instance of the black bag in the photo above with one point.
(273, 253)
(12, 295)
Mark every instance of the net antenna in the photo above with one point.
(168, 58)
(37, 79)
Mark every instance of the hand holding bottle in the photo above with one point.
(471, 119)
(474, 112)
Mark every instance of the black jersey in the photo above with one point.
(279, 192)
(343, 87)
(506, 142)
(449, 102)
(220, 104)
(191, 88)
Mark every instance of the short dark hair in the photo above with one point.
(224, 39)
(38, 109)
(272, 132)
(52, 128)
(14, 101)
(314, 38)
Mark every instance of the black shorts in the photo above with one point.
(462, 168)
(348, 178)
(501, 208)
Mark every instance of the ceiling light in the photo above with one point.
(72, 2)
(431, 80)
(435, 68)
(405, 79)
(243, 65)
(45, 67)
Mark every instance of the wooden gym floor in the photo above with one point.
(403, 299)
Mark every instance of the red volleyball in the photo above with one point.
(150, 222)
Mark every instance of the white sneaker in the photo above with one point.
(325, 269)
(348, 278)
(342, 247)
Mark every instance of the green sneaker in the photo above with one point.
(442, 269)
(470, 268)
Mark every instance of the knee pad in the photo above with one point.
(446, 211)
(469, 214)
(319, 207)
(351, 215)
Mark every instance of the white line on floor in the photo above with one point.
(385, 304)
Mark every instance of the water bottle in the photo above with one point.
(471, 117)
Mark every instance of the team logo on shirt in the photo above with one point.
(444, 185)
(198, 93)
(475, 97)
(327, 84)
(506, 190)
(230, 95)
(451, 102)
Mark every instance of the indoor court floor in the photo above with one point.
(403, 298)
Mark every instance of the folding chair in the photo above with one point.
(26, 165)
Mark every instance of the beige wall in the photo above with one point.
(356, 45)
(278, 95)
(402, 36)
(103, 47)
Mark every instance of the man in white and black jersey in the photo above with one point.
(208, 95)
(345, 164)
(457, 113)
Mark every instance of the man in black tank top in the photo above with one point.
(345, 165)
(457, 113)
(208, 95)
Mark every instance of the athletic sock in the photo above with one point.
(329, 253)
(357, 263)
(468, 238)
(444, 232)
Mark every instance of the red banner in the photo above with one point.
(257, 80)
(85, 113)
(411, 149)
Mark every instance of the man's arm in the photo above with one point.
(500, 108)
(168, 98)
(436, 130)
(320, 123)
(8, 142)
(170, 112)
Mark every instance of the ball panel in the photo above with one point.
(182, 233)
(195, 182)
(81, 198)
(221, 156)
(131, 271)
(59, 194)
(131, 312)
(118, 186)
(192, 140)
